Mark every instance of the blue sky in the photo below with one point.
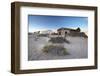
(42, 22)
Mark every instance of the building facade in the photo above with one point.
(67, 31)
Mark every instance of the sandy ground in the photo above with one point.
(78, 48)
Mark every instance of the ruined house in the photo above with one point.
(71, 32)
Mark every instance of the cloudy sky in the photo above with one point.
(42, 22)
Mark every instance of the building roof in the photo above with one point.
(66, 29)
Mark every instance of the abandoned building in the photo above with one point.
(67, 31)
(62, 32)
(70, 32)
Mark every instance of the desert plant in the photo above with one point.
(59, 40)
(55, 50)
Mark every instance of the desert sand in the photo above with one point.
(77, 49)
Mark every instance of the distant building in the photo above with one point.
(46, 32)
(68, 31)
(61, 32)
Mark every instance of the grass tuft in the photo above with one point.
(55, 50)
